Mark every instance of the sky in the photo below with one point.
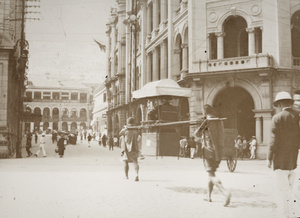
(61, 43)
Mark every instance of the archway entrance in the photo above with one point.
(236, 104)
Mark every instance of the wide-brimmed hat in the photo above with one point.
(43, 134)
(282, 96)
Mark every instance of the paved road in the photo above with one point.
(89, 182)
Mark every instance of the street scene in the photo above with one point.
(90, 182)
(149, 108)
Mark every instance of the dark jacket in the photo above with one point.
(285, 140)
(61, 146)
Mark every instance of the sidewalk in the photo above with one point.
(89, 182)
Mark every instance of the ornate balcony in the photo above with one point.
(236, 63)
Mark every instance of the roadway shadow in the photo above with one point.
(240, 198)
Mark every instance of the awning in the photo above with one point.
(165, 87)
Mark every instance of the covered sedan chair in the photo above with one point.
(161, 140)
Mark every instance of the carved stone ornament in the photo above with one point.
(212, 17)
(255, 10)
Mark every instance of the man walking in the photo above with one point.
(42, 146)
(283, 151)
(212, 133)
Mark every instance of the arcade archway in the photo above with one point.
(236, 104)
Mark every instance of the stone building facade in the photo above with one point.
(99, 122)
(10, 35)
(62, 106)
(234, 55)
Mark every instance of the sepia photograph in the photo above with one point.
(149, 108)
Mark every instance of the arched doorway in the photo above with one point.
(236, 104)
(55, 126)
(65, 126)
(73, 126)
(82, 126)
(55, 113)
(45, 126)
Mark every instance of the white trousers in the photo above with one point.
(193, 152)
(287, 203)
(41, 148)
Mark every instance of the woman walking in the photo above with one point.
(61, 145)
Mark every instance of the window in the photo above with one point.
(55, 95)
(46, 95)
(65, 96)
(74, 96)
(83, 97)
(37, 95)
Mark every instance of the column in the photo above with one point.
(220, 41)
(113, 48)
(155, 15)
(163, 10)
(108, 50)
(69, 126)
(31, 126)
(155, 65)
(184, 56)
(266, 128)
(251, 41)
(164, 59)
(258, 129)
(149, 63)
(149, 20)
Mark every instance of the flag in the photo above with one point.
(101, 46)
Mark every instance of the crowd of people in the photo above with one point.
(282, 151)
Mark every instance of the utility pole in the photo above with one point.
(21, 75)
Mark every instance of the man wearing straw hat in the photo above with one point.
(283, 151)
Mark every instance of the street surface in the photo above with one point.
(89, 182)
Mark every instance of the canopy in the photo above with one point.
(164, 87)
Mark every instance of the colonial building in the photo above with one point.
(99, 122)
(10, 77)
(63, 105)
(234, 55)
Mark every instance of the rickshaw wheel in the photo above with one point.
(231, 162)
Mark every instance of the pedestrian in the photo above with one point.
(35, 137)
(192, 145)
(89, 139)
(252, 147)
(283, 151)
(245, 148)
(130, 147)
(104, 138)
(111, 143)
(42, 146)
(61, 144)
(238, 144)
(28, 143)
(212, 133)
(182, 143)
(84, 134)
(54, 136)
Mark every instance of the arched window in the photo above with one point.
(83, 113)
(295, 22)
(236, 37)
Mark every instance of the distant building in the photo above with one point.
(10, 35)
(99, 122)
(234, 55)
(63, 105)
